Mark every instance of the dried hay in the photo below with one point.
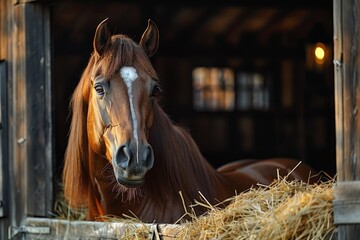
(283, 210)
(62, 210)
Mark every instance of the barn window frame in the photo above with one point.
(224, 89)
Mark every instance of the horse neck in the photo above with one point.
(179, 165)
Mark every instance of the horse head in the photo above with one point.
(121, 100)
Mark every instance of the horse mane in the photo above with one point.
(75, 173)
(179, 164)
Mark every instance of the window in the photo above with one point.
(252, 92)
(214, 89)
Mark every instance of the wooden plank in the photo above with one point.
(347, 202)
(338, 81)
(31, 129)
(349, 165)
(3, 30)
(44, 228)
(347, 100)
(38, 109)
(4, 201)
(17, 120)
(25, 47)
(4, 53)
(281, 4)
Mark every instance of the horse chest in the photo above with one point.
(165, 211)
(145, 207)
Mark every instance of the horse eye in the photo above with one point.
(99, 89)
(156, 91)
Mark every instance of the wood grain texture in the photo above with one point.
(347, 100)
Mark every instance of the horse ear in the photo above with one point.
(150, 39)
(102, 38)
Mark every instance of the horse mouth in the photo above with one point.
(129, 183)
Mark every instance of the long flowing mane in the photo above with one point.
(75, 173)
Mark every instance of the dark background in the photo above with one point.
(267, 37)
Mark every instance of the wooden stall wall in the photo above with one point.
(25, 51)
(347, 96)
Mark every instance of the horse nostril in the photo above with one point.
(126, 152)
(127, 157)
(150, 157)
(123, 156)
(144, 154)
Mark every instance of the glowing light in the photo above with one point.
(319, 53)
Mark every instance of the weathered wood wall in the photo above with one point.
(25, 49)
(4, 197)
(347, 101)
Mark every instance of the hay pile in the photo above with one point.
(283, 210)
(62, 210)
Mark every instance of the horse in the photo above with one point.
(125, 156)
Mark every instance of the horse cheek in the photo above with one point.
(149, 118)
(94, 130)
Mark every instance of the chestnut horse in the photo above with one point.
(119, 134)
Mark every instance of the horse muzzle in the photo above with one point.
(131, 162)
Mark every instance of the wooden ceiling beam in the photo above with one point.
(281, 4)
(185, 35)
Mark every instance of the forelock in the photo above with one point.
(125, 52)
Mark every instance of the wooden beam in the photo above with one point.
(281, 4)
(239, 52)
(347, 102)
(44, 228)
(240, 21)
(190, 33)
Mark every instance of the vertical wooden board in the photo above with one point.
(347, 100)
(338, 81)
(348, 232)
(49, 147)
(3, 29)
(351, 89)
(347, 89)
(31, 128)
(5, 51)
(4, 191)
(38, 105)
(17, 121)
(3, 142)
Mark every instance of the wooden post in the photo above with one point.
(347, 104)
(25, 51)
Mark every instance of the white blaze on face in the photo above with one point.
(129, 75)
